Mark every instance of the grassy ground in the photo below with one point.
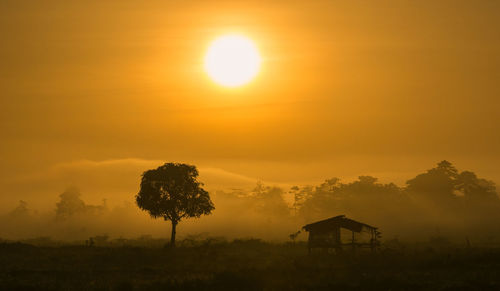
(244, 265)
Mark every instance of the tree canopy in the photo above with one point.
(71, 204)
(173, 192)
(445, 182)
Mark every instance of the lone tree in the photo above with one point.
(173, 192)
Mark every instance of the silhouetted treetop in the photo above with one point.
(333, 196)
(474, 188)
(21, 210)
(268, 200)
(173, 192)
(445, 182)
(367, 179)
(439, 182)
(70, 204)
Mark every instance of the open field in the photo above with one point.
(245, 265)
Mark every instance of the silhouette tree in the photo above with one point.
(457, 193)
(269, 200)
(320, 201)
(358, 198)
(300, 195)
(476, 189)
(21, 210)
(69, 204)
(173, 192)
(438, 184)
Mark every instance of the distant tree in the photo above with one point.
(456, 192)
(330, 185)
(356, 198)
(367, 180)
(320, 201)
(69, 204)
(259, 189)
(300, 195)
(438, 184)
(475, 189)
(173, 192)
(269, 200)
(21, 210)
(367, 188)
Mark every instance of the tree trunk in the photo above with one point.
(172, 236)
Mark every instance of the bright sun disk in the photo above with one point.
(232, 60)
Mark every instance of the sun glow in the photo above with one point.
(232, 60)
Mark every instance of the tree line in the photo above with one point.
(441, 196)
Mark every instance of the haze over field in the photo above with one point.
(95, 93)
(441, 203)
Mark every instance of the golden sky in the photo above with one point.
(346, 87)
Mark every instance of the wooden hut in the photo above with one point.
(325, 234)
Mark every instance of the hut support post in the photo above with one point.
(309, 243)
(352, 242)
(338, 241)
(372, 240)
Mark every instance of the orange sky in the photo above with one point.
(347, 88)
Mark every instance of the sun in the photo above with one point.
(232, 60)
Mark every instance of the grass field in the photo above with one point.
(244, 265)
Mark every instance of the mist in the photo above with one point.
(442, 202)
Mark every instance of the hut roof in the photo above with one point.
(337, 221)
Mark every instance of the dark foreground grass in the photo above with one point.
(244, 265)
